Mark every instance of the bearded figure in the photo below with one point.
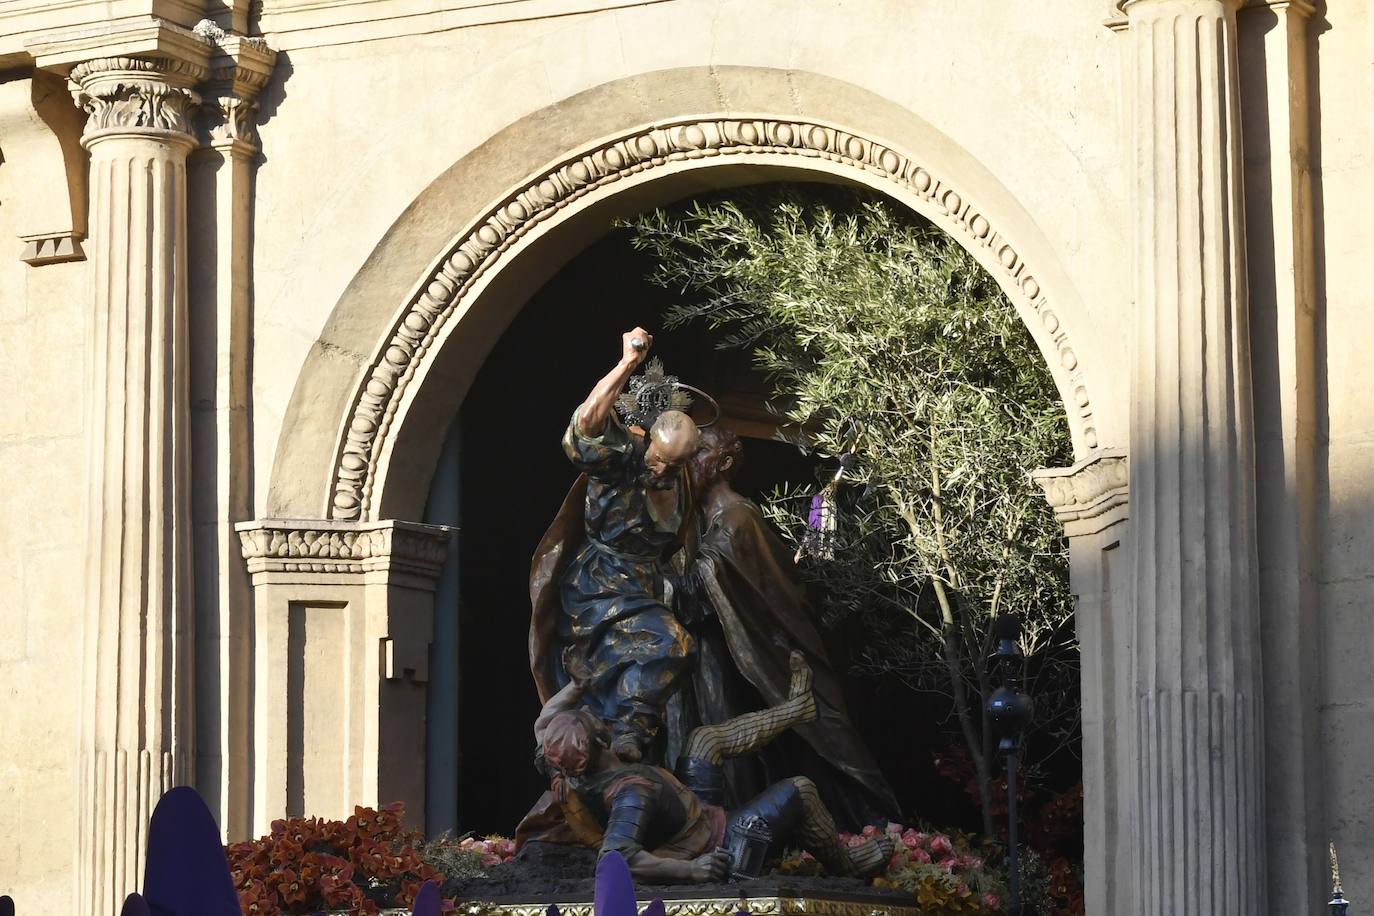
(748, 613)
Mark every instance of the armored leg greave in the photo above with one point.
(751, 731)
(819, 837)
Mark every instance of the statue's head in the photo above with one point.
(672, 440)
(572, 740)
(718, 457)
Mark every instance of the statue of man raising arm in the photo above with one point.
(610, 592)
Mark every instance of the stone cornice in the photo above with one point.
(151, 75)
(137, 76)
(1095, 489)
(321, 546)
(1303, 8)
(52, 247)
(1124, 6)
(1119, 21)
(146, 39)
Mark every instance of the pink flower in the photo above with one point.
(489, 860)
(940, 845)
(920, 855)
(870, 830)
(992, 901)
(909, 839)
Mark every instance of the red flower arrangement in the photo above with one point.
(306, 865)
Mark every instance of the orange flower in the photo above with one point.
(288, 886)
(286, 852)
(257, 900)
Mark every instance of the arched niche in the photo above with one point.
(367, 419)
(378, 389)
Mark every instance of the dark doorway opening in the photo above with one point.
(513, 477)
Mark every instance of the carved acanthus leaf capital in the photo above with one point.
(319, 546)
(240, 67)
(1092, 489)
(134, 93)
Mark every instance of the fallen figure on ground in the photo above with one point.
(664, 829)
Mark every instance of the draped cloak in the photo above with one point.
(753, 614)
(594, 577)
(566, 543)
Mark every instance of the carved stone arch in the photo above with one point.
(362, 434)
(376, 368)
(440, 299)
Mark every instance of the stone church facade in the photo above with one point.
(259, 251)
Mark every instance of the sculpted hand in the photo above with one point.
(714, 866)
(629, 353)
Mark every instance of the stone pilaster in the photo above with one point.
(1196, 634)
(1276, 112)
(343, 619)
(1091, 500)
(137, 721)
(220, 188)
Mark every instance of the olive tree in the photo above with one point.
(883, 338)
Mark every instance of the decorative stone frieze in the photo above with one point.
(481, 248)
(779, 904)
(321, 547)
(1091, 494)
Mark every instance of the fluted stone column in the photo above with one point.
(1192, 473)
(137, 736)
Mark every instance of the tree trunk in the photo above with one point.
(972, 737)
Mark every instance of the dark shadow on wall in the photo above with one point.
(1284, 243)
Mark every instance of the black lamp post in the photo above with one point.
(1009, 710)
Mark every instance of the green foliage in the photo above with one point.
(881, 336)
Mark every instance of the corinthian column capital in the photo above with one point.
(124, 94)
(134, 77)
(239, 68)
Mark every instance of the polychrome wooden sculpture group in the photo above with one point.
(677, 661)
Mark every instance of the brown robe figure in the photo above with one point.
(748, 612)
